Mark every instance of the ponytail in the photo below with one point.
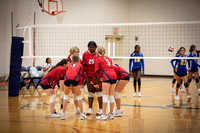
(101, 51)
(61, 63)
(75, 59)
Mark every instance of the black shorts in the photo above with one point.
(126, 78)
(44, 87)
(110, 81)
(73, 82)
(194, 70)
(181, 75)
(136, 70)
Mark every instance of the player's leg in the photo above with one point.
(139, 83)
(135, 83)
(105, 90)
(67, 89)
(112, 100)
(77, 91)
(196, 76)
(50, 92)
(62, 95)
(178, 79)
(119, 87)
(91, 91)
(99, 96)
(185, 79)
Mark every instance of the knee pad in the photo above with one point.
(111, 99)
(62, 95)
(74, 97)
(189, 80)
(135, 81)
(173, 81)
(52, 99)
(90, 94)
(79, 97)
(66, 97)
(178, 85)
(197, 80)
(139, 82)
(105, 98)
(99, 94)
(117, 95)
(181, 81)
(186, 85)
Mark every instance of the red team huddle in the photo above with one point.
(99, 74)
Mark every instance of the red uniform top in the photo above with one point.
(108, 71)
(70, 60)
(75, 73)
(53, 76)
(121, 73)
(88, 64)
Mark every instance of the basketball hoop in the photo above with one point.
(52, 7)
(60, 17)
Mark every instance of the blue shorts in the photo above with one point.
(126, 78)
(44, 87)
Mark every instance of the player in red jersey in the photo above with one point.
(73, 51)
(53, 77)
(104, 64)
(123, 78)
(73, 77)
(88, 71)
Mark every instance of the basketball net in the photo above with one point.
(60, 17)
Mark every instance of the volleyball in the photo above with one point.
(171, 49)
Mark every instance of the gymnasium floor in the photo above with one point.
(155, 112)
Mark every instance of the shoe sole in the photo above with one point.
(98, 114)
(102, 119)
(118, 115)
(54, 116)
(88, 114)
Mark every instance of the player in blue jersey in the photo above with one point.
(194, 67)
(181, 71)
(135, 69)
(174, 80)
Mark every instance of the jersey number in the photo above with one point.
(183, 62)
(91, 61)
(108, 62)
(137, 60)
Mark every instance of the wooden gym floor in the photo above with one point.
(155, 112)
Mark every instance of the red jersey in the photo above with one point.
(88, 64)
(69, 58)
(75, 73)
(121, 73)
(102, 66)
(53, 76)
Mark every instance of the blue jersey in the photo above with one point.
(181, 69)
(137, 63)
(194, 64)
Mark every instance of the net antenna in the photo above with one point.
(52, 7)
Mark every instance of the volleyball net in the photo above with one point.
(119, 39)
